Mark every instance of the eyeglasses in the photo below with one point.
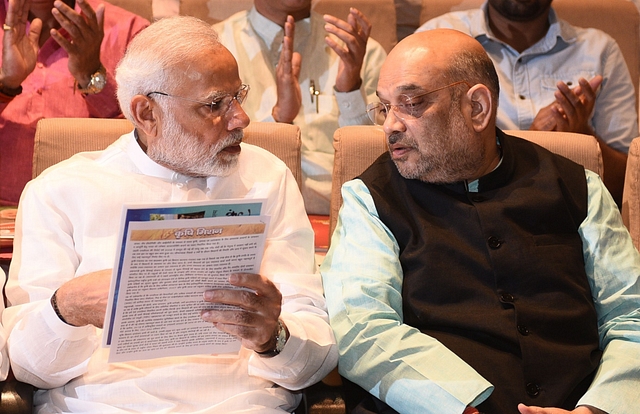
(223, 102)
(409, 106)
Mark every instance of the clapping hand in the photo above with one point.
(81, 38)
(287, 74)
(354, 34)
(19, 48)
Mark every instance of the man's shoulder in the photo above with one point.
(85, 165)
(260, 161)
(594, 38)
(380, 171)
(241, 17)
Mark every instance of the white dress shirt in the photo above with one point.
(67, 226)
(255, 42)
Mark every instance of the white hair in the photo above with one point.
(148, 63)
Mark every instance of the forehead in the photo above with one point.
(211, 71)
(408, 73)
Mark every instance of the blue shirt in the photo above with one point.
(566, 53)
(363, 279)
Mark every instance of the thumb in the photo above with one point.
(34, 32)
(296, 62)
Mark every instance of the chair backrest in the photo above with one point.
(381, 13)
(631, 193)
(59, 138)
(618, 18)
(356, 147)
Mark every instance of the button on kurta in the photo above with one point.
(507, 297)
(533, 390)
(494, 242)
(524, 331)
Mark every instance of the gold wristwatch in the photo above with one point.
(96, 84)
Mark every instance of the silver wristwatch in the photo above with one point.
(281, 340)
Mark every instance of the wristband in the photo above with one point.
(54, 305)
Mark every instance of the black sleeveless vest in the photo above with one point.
(498, 276)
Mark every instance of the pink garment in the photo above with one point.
(48, 93)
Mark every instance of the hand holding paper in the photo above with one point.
(256, 320)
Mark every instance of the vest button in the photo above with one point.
(533, 390)
(477, 199)
(507, 297)
(494, 242)
(524, 331)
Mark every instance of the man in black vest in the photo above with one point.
(472, 271)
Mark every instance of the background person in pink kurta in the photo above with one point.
(50, 50)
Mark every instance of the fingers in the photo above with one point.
(287, 72)
(261, 289)
(357, 25)
(17, 13)
(286, 55)
(257, 317)
(547, 118)
(34, 31)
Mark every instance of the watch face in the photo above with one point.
(98, 81)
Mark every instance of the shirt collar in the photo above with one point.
(559, 31)
(271, 33)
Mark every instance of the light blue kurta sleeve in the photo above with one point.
(613, 267)
(362, 277)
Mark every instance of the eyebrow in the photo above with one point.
(404, 89)
(216, 95)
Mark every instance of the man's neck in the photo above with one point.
(518, 35)
(279, 16)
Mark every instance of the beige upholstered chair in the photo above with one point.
(631, 193)
(59, 138)
(381, 13)
(356, 147)
(619, 18)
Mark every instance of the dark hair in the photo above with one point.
(473, 66)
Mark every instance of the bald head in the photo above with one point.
(445, 55)
(439, 92)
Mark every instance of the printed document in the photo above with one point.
(169, 256)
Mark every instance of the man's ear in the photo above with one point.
(145, 115)
(481, 106)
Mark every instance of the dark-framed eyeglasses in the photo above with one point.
(409, 107)
(221, 103)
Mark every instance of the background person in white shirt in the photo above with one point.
(180, 88)
(317, 72)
